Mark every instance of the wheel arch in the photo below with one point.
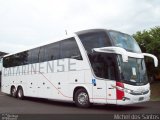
(19, 86)
(80, 87)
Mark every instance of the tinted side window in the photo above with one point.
(42, 55)
(24, 58)
(104, 65)
(8, 61)
(94, 40)
(52, 51)
(5, 61)
(69, 49)
(29, 61)
(33, 56)
(16, 60)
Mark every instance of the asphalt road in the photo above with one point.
(41, 106)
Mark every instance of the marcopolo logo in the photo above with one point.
(63, 65)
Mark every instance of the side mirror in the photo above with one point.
(117, 50)
(154, 58)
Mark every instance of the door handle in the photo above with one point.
(99, 88)
(111, 88)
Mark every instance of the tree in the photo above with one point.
(149, 41)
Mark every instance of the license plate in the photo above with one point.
(141, 98)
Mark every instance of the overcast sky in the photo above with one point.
(26, 23)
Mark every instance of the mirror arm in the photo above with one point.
(154, 58)
(117, 50)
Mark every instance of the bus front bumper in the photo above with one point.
(132, 99)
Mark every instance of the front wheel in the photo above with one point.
(82, 98)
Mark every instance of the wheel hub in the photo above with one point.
(82, 98)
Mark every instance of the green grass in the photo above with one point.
(155, 91)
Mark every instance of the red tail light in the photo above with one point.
(119, 92)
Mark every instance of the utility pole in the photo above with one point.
(66, 32)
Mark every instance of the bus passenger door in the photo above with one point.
(111, 92)
(99, 91)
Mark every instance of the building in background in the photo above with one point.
(1, 55)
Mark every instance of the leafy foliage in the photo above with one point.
(149, 41)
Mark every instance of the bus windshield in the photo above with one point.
(125, 41)
(133, 71)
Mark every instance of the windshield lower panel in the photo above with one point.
(133, 72)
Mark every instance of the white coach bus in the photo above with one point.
(92, 66)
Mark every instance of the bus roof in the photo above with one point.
(42, 44)
(62, 38)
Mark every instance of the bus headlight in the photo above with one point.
(123, 89)
(127, 90)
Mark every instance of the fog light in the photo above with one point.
(125, 98)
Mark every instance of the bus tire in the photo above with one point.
(20, 93)
(13, 92)
(82, 98)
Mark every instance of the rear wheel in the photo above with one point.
(82, 98)
(20, 94)
(13, 92)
